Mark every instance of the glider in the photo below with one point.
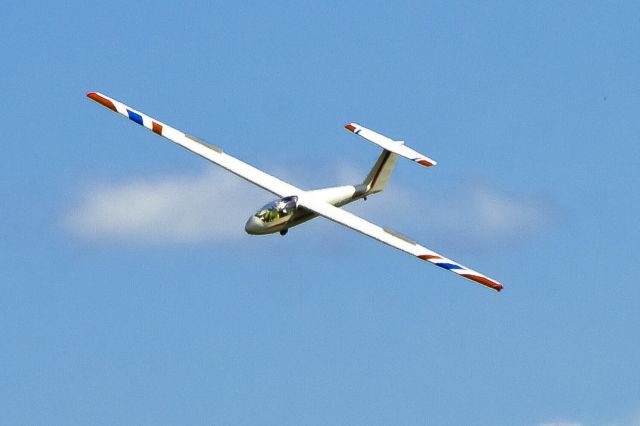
(295, 206)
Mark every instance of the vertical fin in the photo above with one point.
(378, 177)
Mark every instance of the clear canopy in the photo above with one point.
(277, 209)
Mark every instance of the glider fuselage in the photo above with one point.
(284, 213)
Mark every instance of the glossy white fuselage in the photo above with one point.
(336, 195)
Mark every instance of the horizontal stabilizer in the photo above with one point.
(396, 147)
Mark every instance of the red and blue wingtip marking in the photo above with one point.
(439, 261)
(102, 101)
(132, 115)
(135, 117)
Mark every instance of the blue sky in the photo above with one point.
(132, 295)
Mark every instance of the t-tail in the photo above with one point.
(377, 179)
(379, 175)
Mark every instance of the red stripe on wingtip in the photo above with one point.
(156, 127)
(425, 163)
(102, 101)
(350, 127)
(428, 257)
(484, 281)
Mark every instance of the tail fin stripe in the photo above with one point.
(387, 154)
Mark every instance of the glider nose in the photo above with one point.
(253, 226)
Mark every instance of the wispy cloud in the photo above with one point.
(215, 204)
(468, 214)
(173, 209)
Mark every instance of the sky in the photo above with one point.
(130, 293)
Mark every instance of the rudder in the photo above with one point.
(379, 175)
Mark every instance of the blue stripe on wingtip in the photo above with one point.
(449, 266)
(135, 117)
(358, 132)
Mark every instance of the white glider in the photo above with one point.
(295, 205)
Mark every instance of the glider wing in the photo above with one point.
(393, 239)
(198, 146)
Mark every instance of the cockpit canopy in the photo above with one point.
(278, 209)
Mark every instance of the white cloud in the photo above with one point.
(482, 212)
(176, 209)
(215, 205)
(468, 214)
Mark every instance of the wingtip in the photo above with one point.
(427, 163)
(495, 285)
(480, 279)
(101, 100)
(350, 127)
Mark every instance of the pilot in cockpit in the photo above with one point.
(277, 209)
